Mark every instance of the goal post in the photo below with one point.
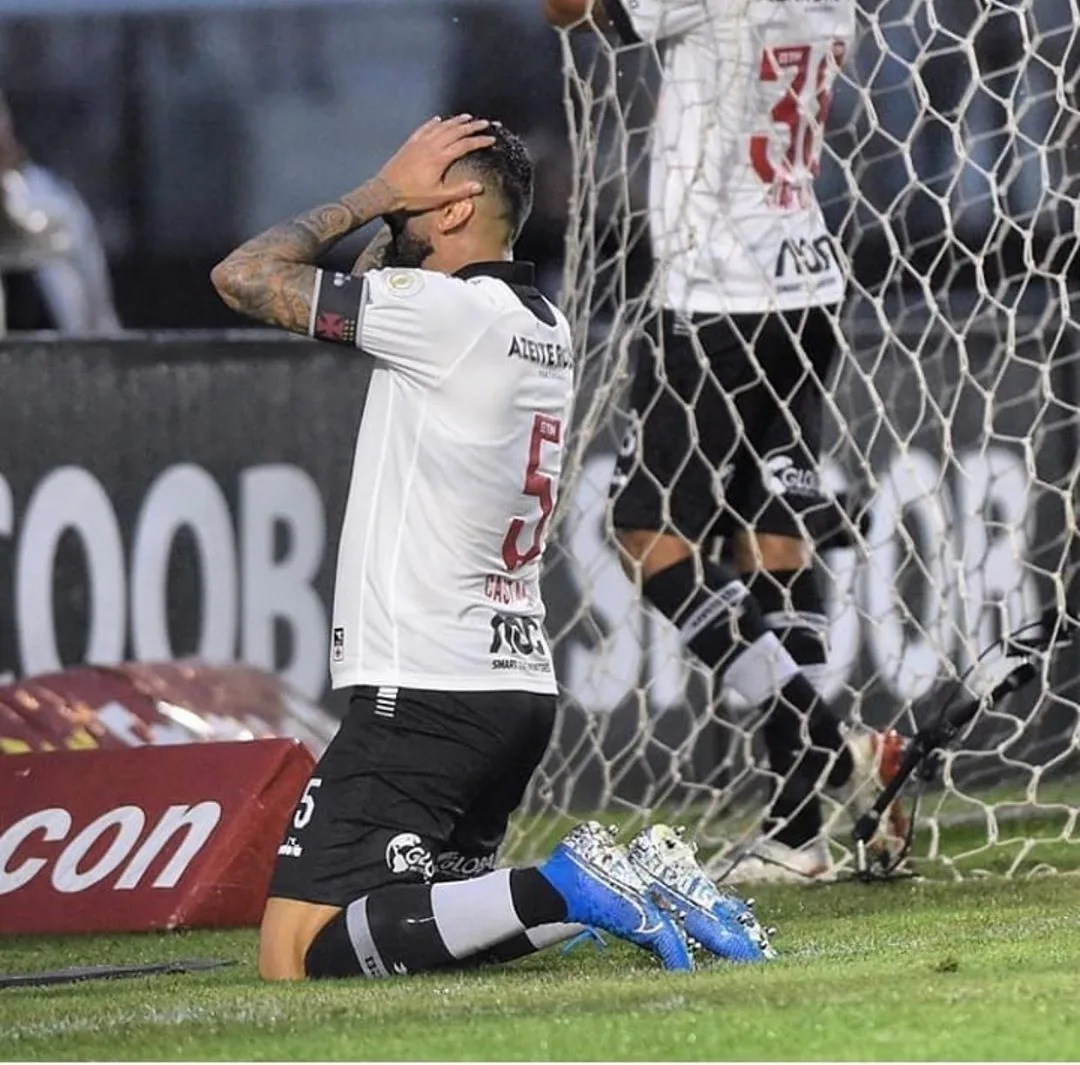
(950, 177)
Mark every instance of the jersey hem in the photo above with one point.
(352, 678)
(749, 304)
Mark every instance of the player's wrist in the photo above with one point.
(371, 200)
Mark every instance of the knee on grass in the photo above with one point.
(287, 932)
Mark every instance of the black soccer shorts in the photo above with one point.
(727, 425)
(415, 786)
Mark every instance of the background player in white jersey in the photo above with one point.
(729, 384)
(438, 620)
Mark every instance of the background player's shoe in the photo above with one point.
(602, 890)
(765, 861)
(877, 757)
(720, 921)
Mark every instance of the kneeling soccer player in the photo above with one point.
(388, 864)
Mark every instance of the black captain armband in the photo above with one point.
(336, 308)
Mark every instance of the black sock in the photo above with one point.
(724, 625)
(793, 607)
(392, 930)
(409, 928)
(331, 955)
(795, 816)
(535, 900)
(716, 616)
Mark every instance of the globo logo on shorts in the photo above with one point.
(457, 865)
(783, 477)
(406, 853)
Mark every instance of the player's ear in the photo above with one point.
(454, 215)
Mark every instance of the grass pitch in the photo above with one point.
(980, 970)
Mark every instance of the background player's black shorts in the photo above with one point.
(716, 445)
(416, 785)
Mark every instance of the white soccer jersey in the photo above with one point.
(454, 478)
(736, 143)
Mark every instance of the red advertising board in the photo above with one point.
(157, 704)
(81, 709)
(146, 838)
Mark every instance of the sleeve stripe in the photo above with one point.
(365, 299)
(621, 21)
(315, 303)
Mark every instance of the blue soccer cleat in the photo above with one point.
(602, 890)
(720, 921)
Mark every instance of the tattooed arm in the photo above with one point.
(272, 277)
(373, 257)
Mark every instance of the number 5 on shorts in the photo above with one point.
(305, 808)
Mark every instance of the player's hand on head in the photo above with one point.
(416, 171)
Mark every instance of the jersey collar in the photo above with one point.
(513, 273)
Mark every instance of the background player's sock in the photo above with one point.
(792, 606)
(412, 928)
(722, 623)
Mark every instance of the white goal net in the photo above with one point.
(950, 177)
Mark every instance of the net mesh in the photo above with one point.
(949, 175)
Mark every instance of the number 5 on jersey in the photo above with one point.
(538, 485)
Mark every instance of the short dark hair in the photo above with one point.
(506, 169)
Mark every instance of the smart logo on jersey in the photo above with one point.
(514, 640)
(518, 635)
(548, 356)
(338, 644)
